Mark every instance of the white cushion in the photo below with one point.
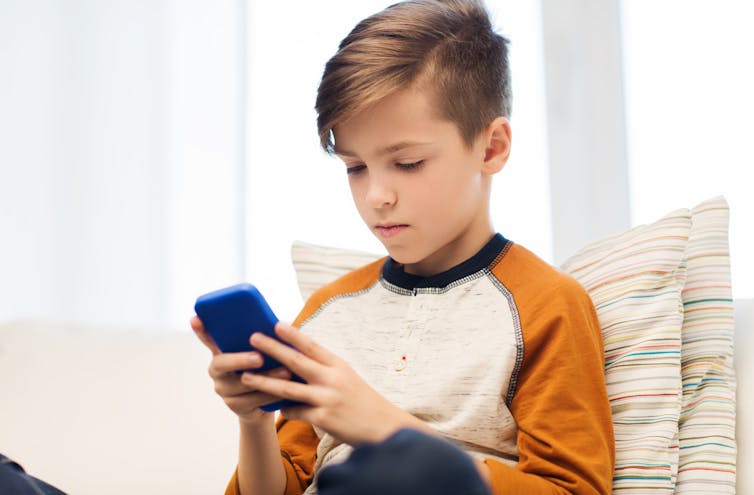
(744, 365)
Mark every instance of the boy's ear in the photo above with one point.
(497, 137)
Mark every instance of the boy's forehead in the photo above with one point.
(385, 150)
(404, 119)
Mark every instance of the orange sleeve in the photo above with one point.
(233, 488)
(565, 433)
(298, 448)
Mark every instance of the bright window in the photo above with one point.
(689, 80)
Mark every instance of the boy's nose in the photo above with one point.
(380, 195)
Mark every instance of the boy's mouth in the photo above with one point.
(390, 230)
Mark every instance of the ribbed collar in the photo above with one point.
(393, 272)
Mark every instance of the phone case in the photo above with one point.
(231, 315)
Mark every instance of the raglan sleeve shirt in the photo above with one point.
(564, 428)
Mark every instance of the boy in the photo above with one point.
(459, 332)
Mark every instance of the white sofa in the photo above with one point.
(125, 411)
(113, 411)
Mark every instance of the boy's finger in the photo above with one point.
(246, 402)
(201, 332)
(286, 389)
(297, 362)
(280, 373)
(234, 386)
(296, 412)
(225, 363)
(305, 344)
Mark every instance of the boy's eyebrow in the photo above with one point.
(386, 150)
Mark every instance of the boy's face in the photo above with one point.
(419, 188)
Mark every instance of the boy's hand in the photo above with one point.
(337, 399)
(242, 399)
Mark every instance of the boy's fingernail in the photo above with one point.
(255, 359)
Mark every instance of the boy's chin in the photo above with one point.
(402, 252)
(402, 256)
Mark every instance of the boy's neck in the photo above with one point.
(482, 259)
(449, 256)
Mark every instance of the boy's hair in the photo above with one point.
(447, 46)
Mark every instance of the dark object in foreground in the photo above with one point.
(15, 481)
(407, 463)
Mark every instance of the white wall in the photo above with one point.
(690, 104)
(123, 192)
(118, 120)
(586, 122)
(26, 224)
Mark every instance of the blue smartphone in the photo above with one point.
(231, 315)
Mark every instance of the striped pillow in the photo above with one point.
(635, 280)
(707, 426)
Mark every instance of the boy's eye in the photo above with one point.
(409, 166)
(355, 169)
